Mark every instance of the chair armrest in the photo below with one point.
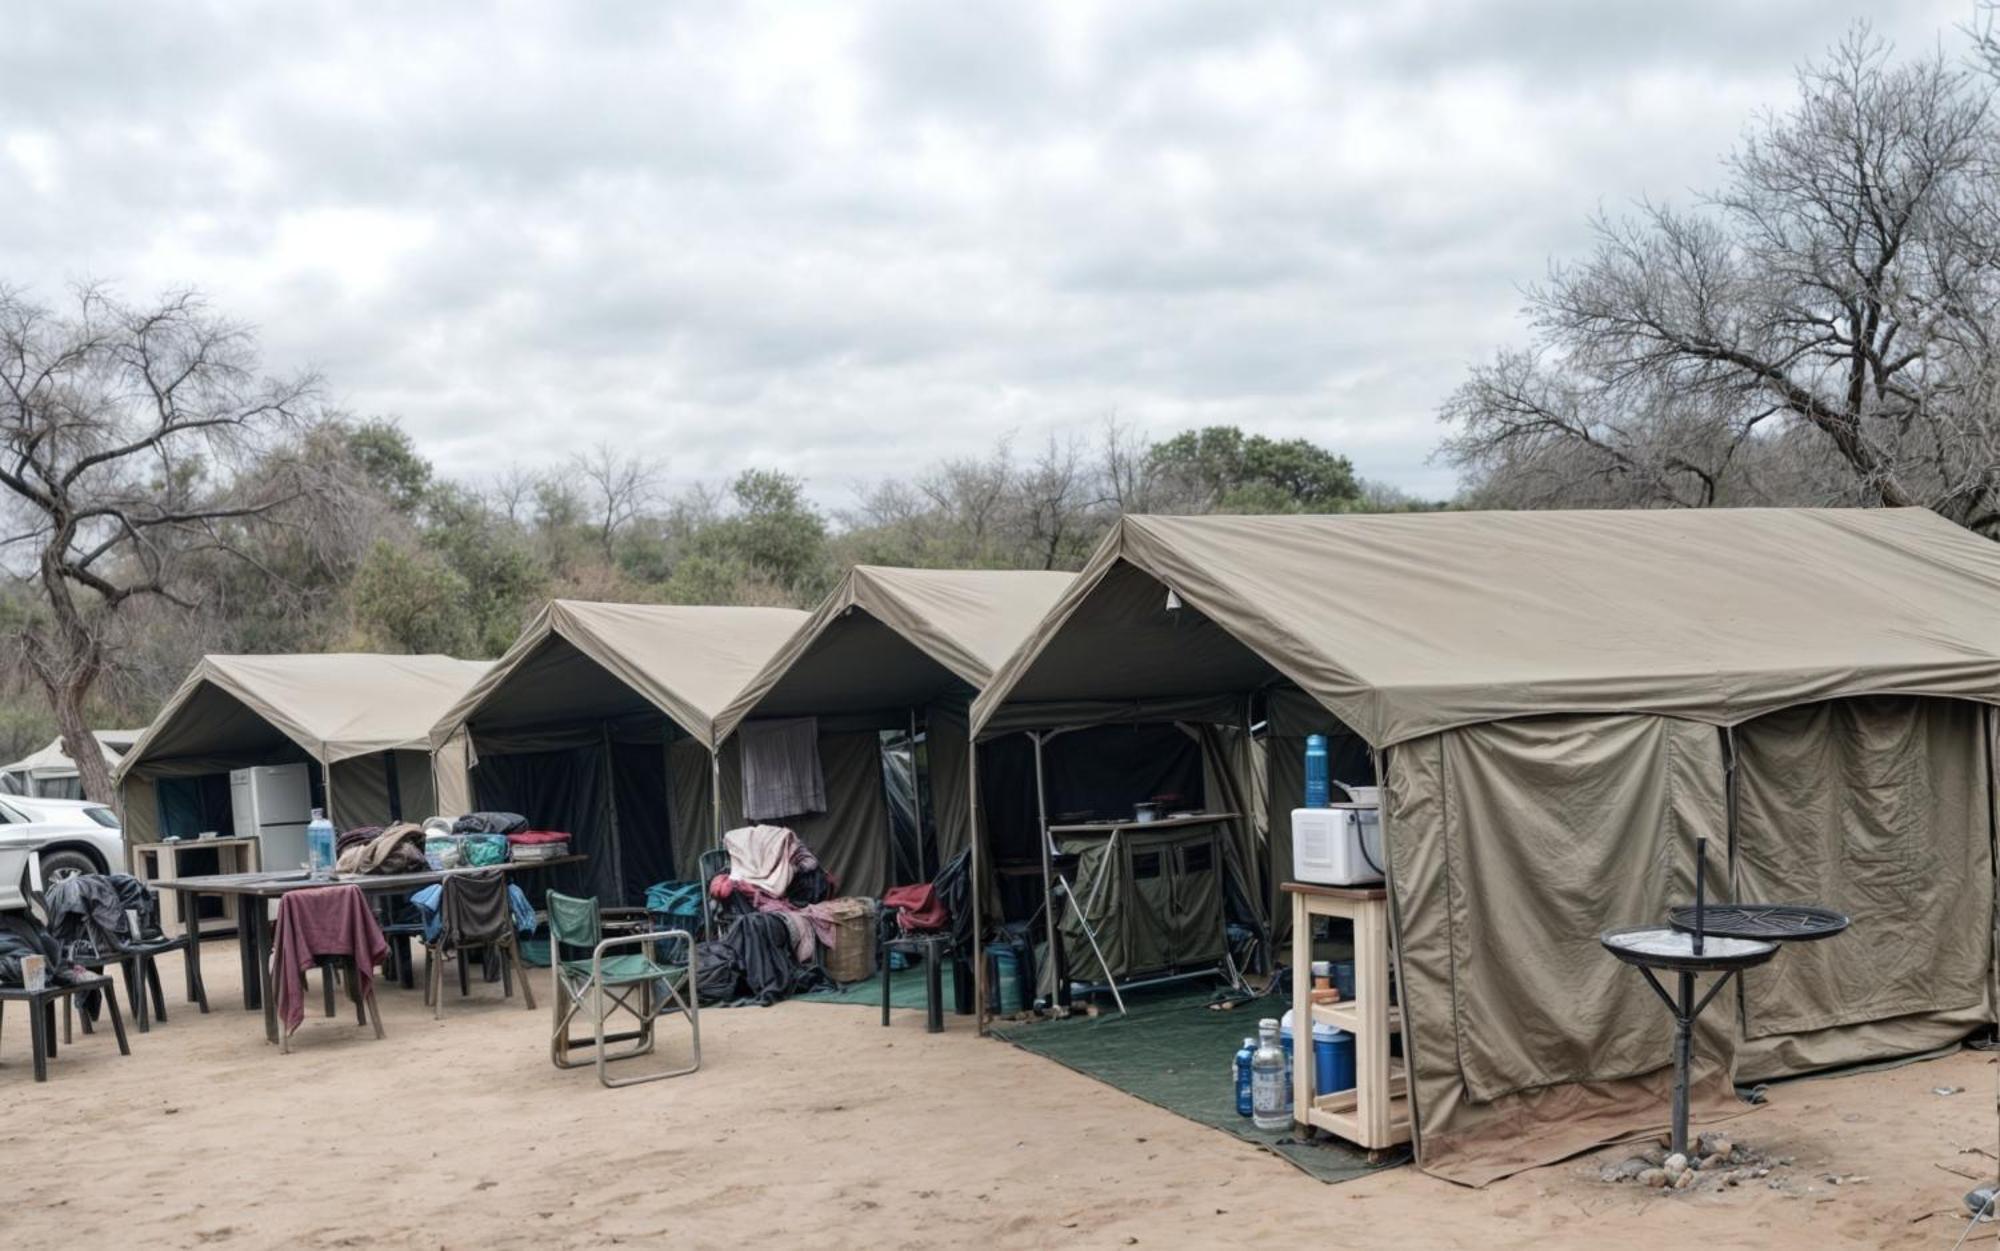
(626, 940)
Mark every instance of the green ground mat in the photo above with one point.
(1174, 1053)
(905, 991)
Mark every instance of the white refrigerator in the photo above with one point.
(273, 804)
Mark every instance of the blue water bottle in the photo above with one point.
(1244, 1107)
(319, 845)
(1316, 775)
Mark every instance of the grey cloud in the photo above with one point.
(851, 250)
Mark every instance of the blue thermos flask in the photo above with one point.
(1317, 795)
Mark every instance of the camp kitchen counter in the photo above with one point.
(253, 941)
(1376, 1113)
(1151, 894)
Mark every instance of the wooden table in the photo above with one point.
(159, 863)
(1376, 1113)
(254, 938)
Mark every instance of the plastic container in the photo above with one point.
(1267, 1080)
(1010, 997)
(319, 845)
(1333, 1059)
(1343, 976)
(1317, 790)
(1333, 1056)
(1241, 1072)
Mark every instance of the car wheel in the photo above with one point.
(59, 866)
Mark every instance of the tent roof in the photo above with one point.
(1404, 625)
(334, 706)
(896, 638)
(598, 661)
(53, 759)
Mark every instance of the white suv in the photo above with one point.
(73, 836)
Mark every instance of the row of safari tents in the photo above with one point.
(1556, 705)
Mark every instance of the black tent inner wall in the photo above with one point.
(1091, 774)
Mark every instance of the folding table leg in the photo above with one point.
(246, 950)
(197, 988)
(267, 988)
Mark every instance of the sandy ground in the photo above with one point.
(810, 1122)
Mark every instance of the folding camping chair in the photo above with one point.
(473, 913)
(607, 983)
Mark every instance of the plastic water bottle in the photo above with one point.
(1244, 1107)
(1267, 1080)
(319, 845)
(1291, 1056)
(1317, 789)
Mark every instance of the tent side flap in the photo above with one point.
(1512, 847)
(1881, 808)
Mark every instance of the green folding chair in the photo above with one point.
(635, 983)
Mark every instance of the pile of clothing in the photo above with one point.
(91, 914)
(381, 849)
(91, 918)
(21, 936)
(775, 894)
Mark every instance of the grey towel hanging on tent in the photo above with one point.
(781, 773)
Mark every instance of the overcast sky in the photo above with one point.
(847, 241)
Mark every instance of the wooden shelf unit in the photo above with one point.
(1376, 1113)
(154, 863)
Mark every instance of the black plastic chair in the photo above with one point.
(953, 887)
(137, 957)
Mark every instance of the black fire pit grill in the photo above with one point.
(1778, 923)
(1703, 945)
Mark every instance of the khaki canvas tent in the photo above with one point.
(364, 720)
(600, 721)
(51, 774)
(894, 650)
(1559, 704)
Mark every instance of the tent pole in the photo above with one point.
(924, 873)
(1729, 802)
(611, 812)
(975, 841)
(715, 791)
(326, 784)
(1058, 993)
(1269, 923)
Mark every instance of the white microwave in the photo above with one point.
(1339, 845)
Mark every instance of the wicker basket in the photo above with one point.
(852, 956)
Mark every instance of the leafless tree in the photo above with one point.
(1056, 503)
(1832, 307)
(620, 487)
(121, 428)
(511, 493)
